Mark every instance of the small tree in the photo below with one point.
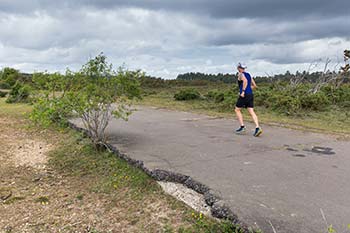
(95, 94)
(103, 94)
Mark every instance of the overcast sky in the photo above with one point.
(168, 37)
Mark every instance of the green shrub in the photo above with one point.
(261, 97)
(19, 93)
(4, 85)
(51, 111)
(315, 102)
(211, 94)
(9, 76)
(229, 102)
(2, 94)
(342, 95)
(215, 95)
(187, 94)
(284, 104)
(219, 97)
(345, 104)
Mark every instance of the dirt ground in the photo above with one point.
(36, 198)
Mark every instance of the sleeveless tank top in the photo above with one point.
(248, 89)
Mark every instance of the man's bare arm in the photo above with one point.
(245, 84)
(254, 84)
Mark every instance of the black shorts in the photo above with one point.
(245, 102)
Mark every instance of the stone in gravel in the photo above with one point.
(220, 210)
(36, 179)
(195, 185)
(211, 197)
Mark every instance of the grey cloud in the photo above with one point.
(218, 9)
(266, 31)
(219, 22)
(167, 37)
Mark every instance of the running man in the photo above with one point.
(246, 99)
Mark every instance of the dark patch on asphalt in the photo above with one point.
(214, 118)
(191, 119)
(299, 155)
(321, 150)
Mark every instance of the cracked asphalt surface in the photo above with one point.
(285, 178)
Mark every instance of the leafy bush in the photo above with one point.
(261, 97)
(211, 94)
(215, 95)
(187, 94)
(284, 104)
(19, 93)
(51, 111)
(315, 102)
(290, 101)
(9, 76)
(219, 97)
(229, 102)
(345, 104)
(337, 95)
(4, 85)
(2, 94)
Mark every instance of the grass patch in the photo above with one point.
(14, 110)
(77, 157)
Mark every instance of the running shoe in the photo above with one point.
(258, 132)
(240, 130)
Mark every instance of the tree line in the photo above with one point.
(310, 77)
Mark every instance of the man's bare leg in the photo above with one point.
(239, 116)
(254, 116)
